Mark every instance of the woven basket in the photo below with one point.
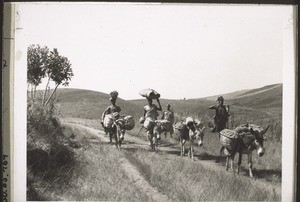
(181, 130)
(229, 139)
(129, 123)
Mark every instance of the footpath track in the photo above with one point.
(131, 171)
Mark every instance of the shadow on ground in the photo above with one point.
(216, 159)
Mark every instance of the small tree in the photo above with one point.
(42, 63)
(59, 71)
(37, 60)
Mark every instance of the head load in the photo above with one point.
(149, 93)
(113, 95)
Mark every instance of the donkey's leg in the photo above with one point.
(110, 137)
(232, 162)
(250, 164)
(150, 140)
(227, 163)
(155, 143)
(120, 139)
(182, 147)
(192, 151)
(239, 162)
(116, 139)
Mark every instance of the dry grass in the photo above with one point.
(96, 176)
(184, 180)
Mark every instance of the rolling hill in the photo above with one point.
(88, 104)
(260, 103)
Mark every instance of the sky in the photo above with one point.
(180, 50)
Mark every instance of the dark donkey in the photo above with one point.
(243, 140)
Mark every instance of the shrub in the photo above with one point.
(47, 151)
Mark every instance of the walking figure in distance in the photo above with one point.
(221, 117)
(169, 116)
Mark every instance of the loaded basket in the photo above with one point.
(181, 130)
(229, 139)
(127, 122)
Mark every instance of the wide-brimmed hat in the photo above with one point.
(168, 105)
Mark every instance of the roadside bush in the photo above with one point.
(48, 155)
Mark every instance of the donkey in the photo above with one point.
(189, 132)
(244, 139)
(119, 133)
(114, 126)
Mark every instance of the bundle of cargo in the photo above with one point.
(181, 130)
(128, 122)
(164, 125)
(149, 123)
(242, 128)
(108, 120)
(189, 121)
(114, 95)
(149, 93)
(229, 140)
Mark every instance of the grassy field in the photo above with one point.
(267, 167)
(178, 178)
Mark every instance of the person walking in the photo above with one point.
(221, 117)
(111, 113)
(150, 115)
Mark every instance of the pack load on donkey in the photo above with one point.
(127, 122)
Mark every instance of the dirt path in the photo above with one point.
(130, 170)
(132, 142)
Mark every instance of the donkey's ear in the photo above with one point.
(266, 129)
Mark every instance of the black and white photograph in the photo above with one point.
(154, 102)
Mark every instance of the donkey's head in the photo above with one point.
(258, 133)
(120, 128)
(197, 131)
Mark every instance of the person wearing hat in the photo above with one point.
(221, 116)
(168, 115)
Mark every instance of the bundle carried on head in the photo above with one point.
(149, 93)
(114, 95)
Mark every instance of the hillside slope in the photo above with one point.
(88, 104)
(265, 97)
(91, 104)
